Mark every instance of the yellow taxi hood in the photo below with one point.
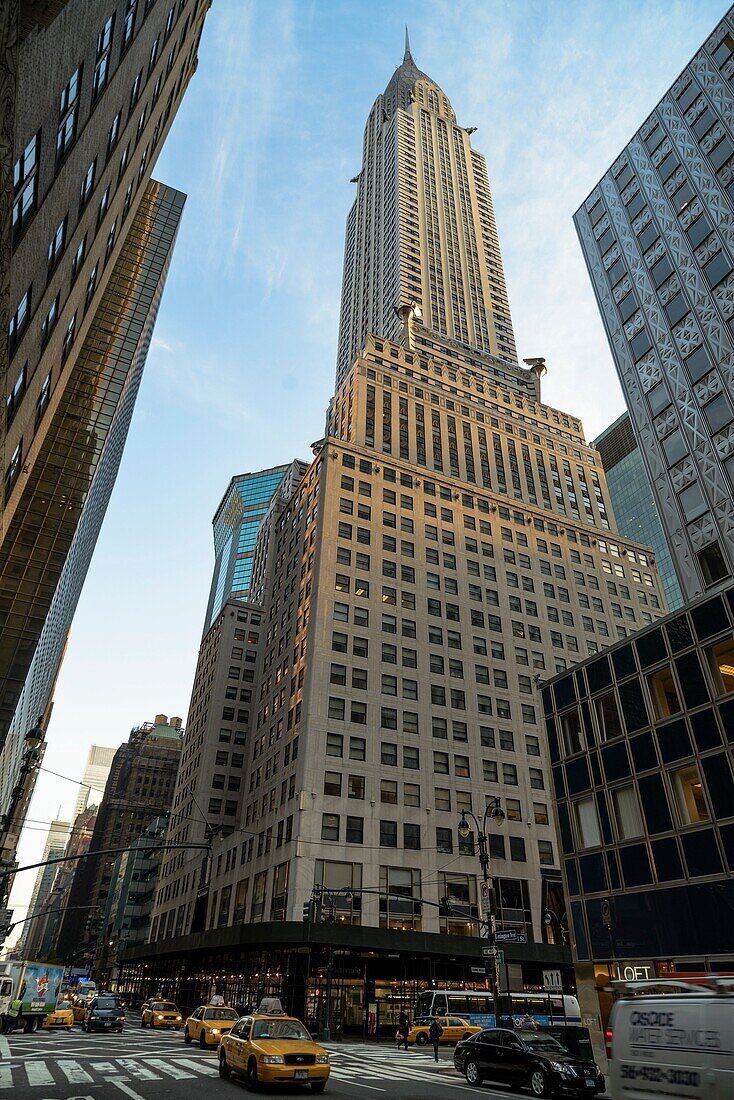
(288, 1046)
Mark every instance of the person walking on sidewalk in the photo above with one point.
(403, 1029)
(435, 1032)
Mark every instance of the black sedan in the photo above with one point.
(526, 1059)
(105, 1012)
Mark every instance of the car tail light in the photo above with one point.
(608, 1036)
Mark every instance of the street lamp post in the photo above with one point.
(493, 811)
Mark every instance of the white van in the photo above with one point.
(675, 1043)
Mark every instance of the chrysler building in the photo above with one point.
(421, 239)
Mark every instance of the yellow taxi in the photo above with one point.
(269, 1047)
(62, 1016)
(454, 1029)
(79, 1007)
(161, 1014)
(208, 1024)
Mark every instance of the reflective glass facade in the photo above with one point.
(236, 525)
(100, 402)
(640, 740)
(634, 505)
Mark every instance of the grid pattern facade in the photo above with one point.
(632, 500)
(658, 236)
(411, 615)
(210, 777)
(139, 790)
(422, 229)
(640, 741)
(89, 90)
(100, 401)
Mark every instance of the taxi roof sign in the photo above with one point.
(270, 1006)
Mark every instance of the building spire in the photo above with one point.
(408, 55)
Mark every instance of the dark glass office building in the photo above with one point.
(641, 742)
(657, 233)
(634, 505)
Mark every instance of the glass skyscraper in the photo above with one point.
(236, 524)
(632, 499)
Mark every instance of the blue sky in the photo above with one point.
(242, 362)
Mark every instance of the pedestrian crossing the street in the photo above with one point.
(22, 1072)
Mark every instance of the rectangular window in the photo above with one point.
(587, 823)
(664, 693)
(689, 796)
(721, 662)
(25, 185)
(627, 812)
(68, 115)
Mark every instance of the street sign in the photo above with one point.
(511, 935)
(494, 953)
(552, 981)
(606, 913)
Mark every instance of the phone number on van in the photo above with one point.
(658, 1074)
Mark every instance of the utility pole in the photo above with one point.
(493, 811)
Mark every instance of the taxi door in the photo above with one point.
(454, 1030)
(195, 1024)
(236, 1045)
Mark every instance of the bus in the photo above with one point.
(516, 1009)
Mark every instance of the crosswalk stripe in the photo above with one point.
(6, 1077)
(135, 1069)
(74, 1073)
(38, 1073)
(200, 1067)
(104, 1067)
(172, 1071)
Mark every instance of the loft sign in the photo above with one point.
(631, 972)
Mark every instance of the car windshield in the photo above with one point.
(220, 1014)
(544, 1043)
(165, 1006)
(280, 1029)
(106, 1002)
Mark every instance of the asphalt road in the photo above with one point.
(146, 1065)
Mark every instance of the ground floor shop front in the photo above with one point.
(355, 980)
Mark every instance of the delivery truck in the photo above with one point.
(28, 992)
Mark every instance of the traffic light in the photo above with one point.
(308, 907)
(444, 908)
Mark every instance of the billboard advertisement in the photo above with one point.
(39, 987)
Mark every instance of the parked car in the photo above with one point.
(104, 1012)
(526, 1059)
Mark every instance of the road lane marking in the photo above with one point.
(359, 1085)
(135, 1070)
(119, 1083)
(74, 1073)
(4, 1047)
(38, 1073)
(6, 1077)
(200, 1067)
(172, 1071)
